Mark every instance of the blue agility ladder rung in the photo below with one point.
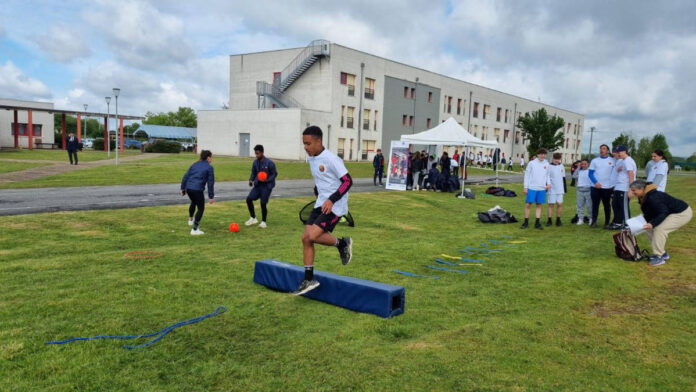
(445, 262)
(162, 332)
(447, 269)
(415, 275)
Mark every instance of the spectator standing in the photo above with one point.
(72, 146)
(557, 188)
(583, 192)
(378, 165)
(536, 183)
(600, 174)
(659, 170)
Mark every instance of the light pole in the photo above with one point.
(118, 145)
(108, 132)
(84, 137)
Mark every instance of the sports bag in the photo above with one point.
(626, 246)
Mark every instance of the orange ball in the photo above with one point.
(262, 176)
(234, 227)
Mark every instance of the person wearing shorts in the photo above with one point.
(557, 188)
(331, 184)
(261, 189)
(536, 183)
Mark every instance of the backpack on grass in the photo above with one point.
(626, 246)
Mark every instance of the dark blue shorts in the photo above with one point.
(260, 192)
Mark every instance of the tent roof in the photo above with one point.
(448, 133)
(167, 132)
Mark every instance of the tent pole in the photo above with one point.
(496, 157)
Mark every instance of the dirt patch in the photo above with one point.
(10, 350)
(422, 346)
(404, 226)
(632, 306)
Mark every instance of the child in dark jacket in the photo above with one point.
(432, 178)
(193, 183)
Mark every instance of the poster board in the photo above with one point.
(398, 166)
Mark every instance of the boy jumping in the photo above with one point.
(261, 188)
(557, 188)
(536, 183)
(332, 182)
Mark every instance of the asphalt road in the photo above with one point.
(37, 200)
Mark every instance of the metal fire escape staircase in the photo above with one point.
(304, 60)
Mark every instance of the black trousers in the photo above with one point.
(72, 154)
(378, 172)
(605, 196)
(455, 171)
(197, 201)
(619, 203)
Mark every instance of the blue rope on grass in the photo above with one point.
(162, 332)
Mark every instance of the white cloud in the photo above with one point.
(14, 83)
(63, 43)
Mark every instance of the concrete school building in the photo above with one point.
(41, 124)
(361, 102)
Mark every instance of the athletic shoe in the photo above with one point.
(524, 225)
(549, 223)
(593, 225)
(656, 260)
(346, 251)
(196, 232)
(306, 286)
(262, 225)
(580, 222)
(538, 226)
(251, 221)
(190, 222)
(558, 222)
(665, 256)
(616, 226)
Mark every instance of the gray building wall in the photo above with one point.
(396, 106)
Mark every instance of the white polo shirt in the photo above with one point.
(661, 167)
(602, 170)
(536, 177)
(556, 175)
(622, 180)
(327, 170)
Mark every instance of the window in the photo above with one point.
(459, 106)
(343, 109)
(410, 121)
(404, 120)
(375, 126)
(449, 104)
(430, 96)
(575, 129)
(475, 130)
(349, 118)
(413, 93)
(506, 135)
(344, 78)
(350, 82)
(486, 110)
(568, 126)
(341, 147)
(369, 88)
(506, 115)
(24, 129)
(484, 132)
(367, 147)
(366, 119)
(498, 114)
(567, 140)
(496, 134)
(444, 104)
(427, 123)
(517, 137)
(405, 91)
(476, 105)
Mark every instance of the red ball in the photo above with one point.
(234, 227)
(262, 176)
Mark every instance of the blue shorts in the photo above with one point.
(262, 192)
(538, 197)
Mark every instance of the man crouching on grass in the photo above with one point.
(332, 182)
(536, 183)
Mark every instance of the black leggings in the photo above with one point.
(72, 154)
(619, 204)
(197, 200)
(605, 196)
(250, 206)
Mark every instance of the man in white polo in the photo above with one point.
(600, 175)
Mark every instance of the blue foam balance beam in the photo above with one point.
(360, 295)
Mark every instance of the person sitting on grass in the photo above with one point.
(536, 183)
(663, 214)
(557, 188)
(432, 178)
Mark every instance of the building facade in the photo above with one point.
(42, 124)
(361, 102)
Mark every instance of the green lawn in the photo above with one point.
(557, 312)
(6, 167)
(60, 155)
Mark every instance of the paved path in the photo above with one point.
(35, 200)
(61, 167)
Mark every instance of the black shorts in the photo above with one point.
(260, 192)
(326, 221)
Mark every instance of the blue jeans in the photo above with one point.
(378, 172)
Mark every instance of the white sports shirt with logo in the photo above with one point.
(622, 178)
(556, 175)
(602, 170)
(327, 170)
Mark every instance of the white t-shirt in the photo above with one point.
(614, 173)
(556, 175)
(602, 170)
(649, 170)
(622, 180)
(454, 163)
(660, 167)
(521, 161)
(536, 177)
(584, 178)
(327, 170)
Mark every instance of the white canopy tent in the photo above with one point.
(450, 133)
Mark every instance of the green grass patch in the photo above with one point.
(6, 167)
(61, 155)
(556, 312)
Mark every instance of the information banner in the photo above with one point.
(398, 166)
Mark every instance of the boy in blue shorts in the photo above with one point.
(332, 182)
(536, 183)
(261, 189)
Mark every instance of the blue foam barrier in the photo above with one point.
(360, 295)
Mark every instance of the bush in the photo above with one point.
(164, 146)
(98, 144)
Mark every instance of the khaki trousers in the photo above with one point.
(658, 235)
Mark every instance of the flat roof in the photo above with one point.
(75, 112)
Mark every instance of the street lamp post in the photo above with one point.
(108, 132)
(118, 145)
(84, 137)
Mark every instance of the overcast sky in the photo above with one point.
(626, 65)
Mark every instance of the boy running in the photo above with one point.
(332, 182)
(536, 183)
(557, 189)
(261, 188)
(193, 184)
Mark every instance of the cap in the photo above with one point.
(621, 148)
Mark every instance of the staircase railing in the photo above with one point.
(319, 47)
(267, 89)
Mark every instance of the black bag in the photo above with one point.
(510, 193)
(492, 190)
(498, 215)
(626, 246)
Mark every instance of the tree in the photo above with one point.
(184, 117)
(625, 139)
(643, 152)
(542, 131)
(692, 158)
(659, 142)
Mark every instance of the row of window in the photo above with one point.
(367, 147)
(348, 117)
(24, 129)
(348, 80)
(410, 121)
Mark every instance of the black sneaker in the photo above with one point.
(306, 286)
(558, 222)
(346, 251)
(524, 225)
(538, 226)
(549, 223)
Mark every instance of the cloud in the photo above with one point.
(63, 43)
(14, 83)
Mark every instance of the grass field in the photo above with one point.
(6, 167)
(60, 155)
(558, 311)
